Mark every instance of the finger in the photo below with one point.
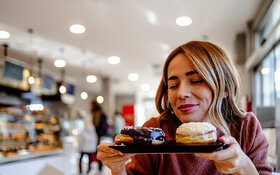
(104, 147)
(228, 140)
(124, 156)
(229, 153)
(104, 155)
(116, 159)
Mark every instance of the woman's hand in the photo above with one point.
(113, 159)
(231, 160)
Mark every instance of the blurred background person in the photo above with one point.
(119, 122)
(87, 141)
(99, 120)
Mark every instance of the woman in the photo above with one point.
(201, 75)
(87, 141)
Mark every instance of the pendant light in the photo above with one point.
(62, 88)
(31, 78)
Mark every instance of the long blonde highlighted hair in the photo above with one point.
(217, 69)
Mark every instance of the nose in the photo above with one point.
(184, 91)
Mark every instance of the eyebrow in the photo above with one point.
(187, 74)
(191, 72)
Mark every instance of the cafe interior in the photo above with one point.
(58, 56)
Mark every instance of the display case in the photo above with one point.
(23, 131)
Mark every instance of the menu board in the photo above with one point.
(13, 70)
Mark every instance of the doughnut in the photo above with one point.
(196, 133)
(140, 135)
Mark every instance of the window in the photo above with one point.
(267, 71)
(277, 71)
(269, 21)
(258, 91)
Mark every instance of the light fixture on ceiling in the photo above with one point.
(133, 76)
(145, 87)
(84, 95)
(59, 63)
(77, 28)
(62, 89)
(91, 78)
(31, 79)
(114, 60)
(183, 21)
(152, 18)
(4, 34)
(152, 93)
(99, 99)
(38, 79)
(165, 47)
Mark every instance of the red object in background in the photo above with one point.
(248, 105)
(94, 158)
(128, 114)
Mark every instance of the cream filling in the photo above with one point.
(204, 138)
(157, 142)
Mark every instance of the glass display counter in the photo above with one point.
(26, 134)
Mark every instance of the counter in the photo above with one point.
(28, 155)
(63, 160)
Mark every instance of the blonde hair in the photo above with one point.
(217, 69)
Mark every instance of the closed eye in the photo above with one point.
(173, 86)
(197, 82)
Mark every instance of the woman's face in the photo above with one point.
(188, 93)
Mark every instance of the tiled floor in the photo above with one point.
(72, 156)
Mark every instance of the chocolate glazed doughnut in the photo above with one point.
(140, 135)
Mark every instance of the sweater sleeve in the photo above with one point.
(256, 146)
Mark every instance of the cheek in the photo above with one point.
(207, 95)
(172, 98)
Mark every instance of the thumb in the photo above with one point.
(228, 140)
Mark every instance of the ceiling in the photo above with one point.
(141, 33)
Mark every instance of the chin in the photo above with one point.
(187, 119)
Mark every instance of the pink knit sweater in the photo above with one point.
(246, 130)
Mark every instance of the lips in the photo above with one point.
(187, 107)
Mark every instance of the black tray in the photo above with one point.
(169, 147)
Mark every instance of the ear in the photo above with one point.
(225, 94)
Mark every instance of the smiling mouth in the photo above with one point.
(187, 107)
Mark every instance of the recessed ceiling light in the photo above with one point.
(77, 28)
(59, 63)
(4, 34)
(91, 78)
(114, 60)
(165, 47)
(133, 76)
(145, 87)
(152, 93)
(100, 99)
(152, 18)
(183, 21)
(84, 95)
